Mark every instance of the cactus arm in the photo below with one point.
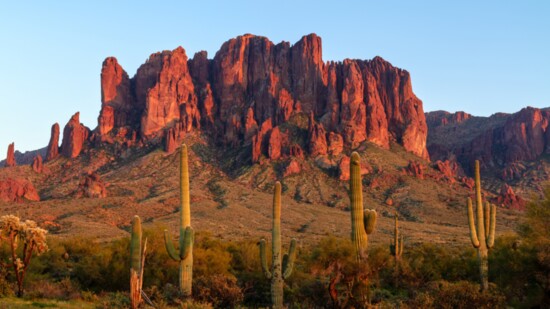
(135, 244)
(170, 247)
(491, 237)
(143, 253)
(487, 218)
(401, 246)
(369, 220)
(471, 223)
(288, 260)
(186, 242)
(263, 259)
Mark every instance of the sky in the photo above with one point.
(480, 57)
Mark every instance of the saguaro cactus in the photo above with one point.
(396, 247)
(137, 256)
(280, 270)
(362, 221)
(187, 235)
(482, 234)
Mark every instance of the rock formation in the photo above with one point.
(415, 169)
(443, 118)
(252, 84)
(497, 141)
(343, 168)
(17, 190)
(74, 136)
(292, 168)
(317, 138)
(10, 158)
(509, 199)
(91, 186)
(165, 91)
(37, 164)
(53, 145)
(117, 104)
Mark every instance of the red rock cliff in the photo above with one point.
(117, 105)
(74, 137)
(251, 80)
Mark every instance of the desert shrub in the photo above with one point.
(210, 256)
(535, 234)
(6, 288)
(512, 267)
(61, 290)
(115, 300)
(222, 291)
(159, 268)
(457, 295)
(425, 263)
(245, 261)
(333, 263)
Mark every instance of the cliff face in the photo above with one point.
(250, 82)
(499, 140)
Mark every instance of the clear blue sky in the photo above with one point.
(477, 56)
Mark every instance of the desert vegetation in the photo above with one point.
(334, 272)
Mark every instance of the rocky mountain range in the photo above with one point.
(280, 105)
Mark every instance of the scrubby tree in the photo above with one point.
(24, 239)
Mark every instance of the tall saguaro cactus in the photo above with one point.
(280, 268)
(362, 221)
(137, 256)
(482, 230)
(185, 253)
(396, 248)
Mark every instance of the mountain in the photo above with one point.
(255, 113)
(513, 148)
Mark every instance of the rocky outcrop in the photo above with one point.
(343, 168)
(17, 190)
(317, 138)
(335, 144)
(292, 168)
(251, 81)
(449, 169)
(10, 158)
(259, 141)
(442, 118)
(74, 136)
(275, 144)
(117, 103)
(513, 171)
(509, 199)
(415, 169)
(37, 164)
(91, 186)
(53, 145)
(166, 92)
(497, 141)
